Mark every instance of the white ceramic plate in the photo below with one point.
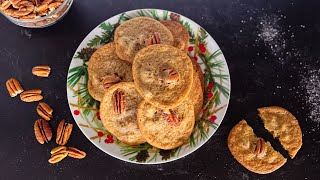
(203, 49)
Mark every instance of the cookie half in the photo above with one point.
(166, 128)
(252, 152)
(163, 75)
(105, 69)
(118, 112)
(283, 126)
(179, 33)
(133, 35)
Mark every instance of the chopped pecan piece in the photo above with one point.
(169, 74)
(171, 118)
(110, 80)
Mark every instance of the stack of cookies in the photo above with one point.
(149, 88)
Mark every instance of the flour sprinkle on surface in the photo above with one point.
(312, 86)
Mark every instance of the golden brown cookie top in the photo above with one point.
(105, 69)
(163, 75)
(252, 152)
(166, 128)
(133, 35)
(118, 112)
(179, 33)
(284, 126)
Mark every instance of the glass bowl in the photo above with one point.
(45, 21)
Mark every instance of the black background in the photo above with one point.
(258, 79)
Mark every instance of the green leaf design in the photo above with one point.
(78, 72)
(86, 99)
(141, 13)
(165, 15)
(203, 133)
(224, 90)
(192, 141)
(203, 35)
(106, 36)
(106, 26)
(95, 41)
(154, 14)
(124, 17)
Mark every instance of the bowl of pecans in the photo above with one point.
(34, 13)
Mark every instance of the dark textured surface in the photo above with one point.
(259, 78)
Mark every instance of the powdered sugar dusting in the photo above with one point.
(271, 33)
(276, 37)
(312, 85)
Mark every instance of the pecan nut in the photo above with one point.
(42, 131)
(44, 110)
(41, 71)
(58, 154)
(53, 6)
(31, 95)
(153, 39)
(110, 80)
(260, 146)
(169, 74)
(119, 102)
(63, 132)
(43, 6)
(76, 153)
(14, 88)
(5, 5)
(171, 118)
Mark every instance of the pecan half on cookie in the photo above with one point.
(119, 102)
(63, 132)
(42, 131)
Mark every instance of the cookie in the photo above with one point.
(196, 92)
(163, 75)
(105, 68)
(198, 70)
(283, 126)
(180, 34)
(137, 33)
(166, 128)
(118, 112)
(252, 152)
